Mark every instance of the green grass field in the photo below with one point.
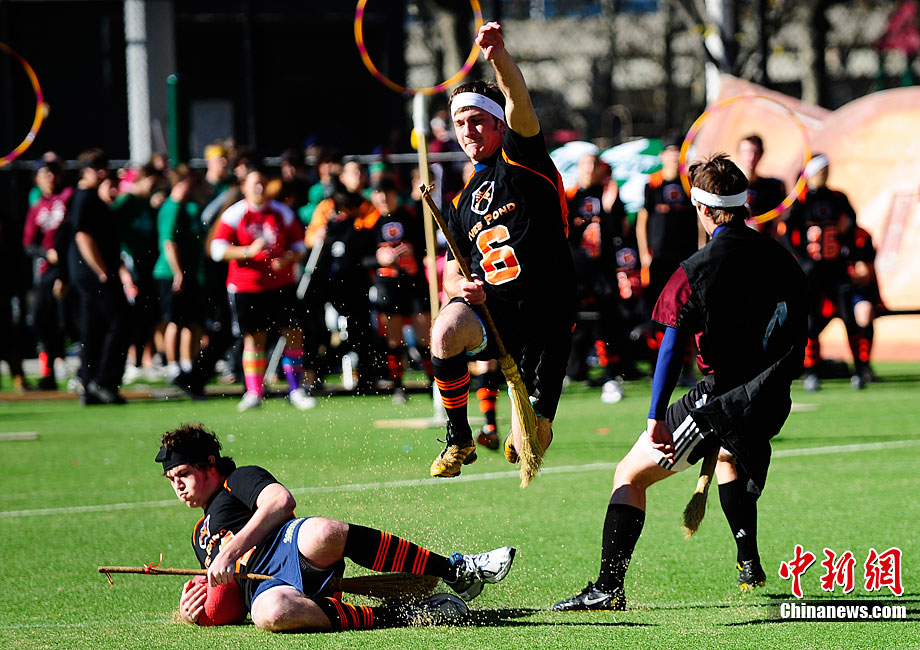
(87, 492)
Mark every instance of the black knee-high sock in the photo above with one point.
(380, 551)
(453, 379)
(740, 508)
(622, 528)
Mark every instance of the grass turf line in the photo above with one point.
(846, 501)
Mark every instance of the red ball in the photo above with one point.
(224, 604)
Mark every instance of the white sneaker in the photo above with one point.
(612, 392)
(436, 609)
(132, 374)
(300, 400)
(473, 571)
(399, 395)
(250, 401)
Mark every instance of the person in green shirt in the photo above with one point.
(179, 272)
(137, 220)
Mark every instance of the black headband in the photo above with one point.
(175, 457)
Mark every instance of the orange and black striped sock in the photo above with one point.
(345, 616)
(453, 379)
(380, 551)
(395, 364)
(487, 394)
(812, 353)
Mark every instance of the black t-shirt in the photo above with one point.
(231, 507)
(401, 226)
(510, 221)
(742, 295)
(819, 229)
(765, 194)
(595, 236)
(93, 217)
(672, 231)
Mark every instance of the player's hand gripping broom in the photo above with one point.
(696, 508)
(403, 586)
(532, 452)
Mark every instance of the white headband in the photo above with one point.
(815, 165)
(467, 100)
(698, 196)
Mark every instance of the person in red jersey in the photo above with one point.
(41, 237)
(262, 240)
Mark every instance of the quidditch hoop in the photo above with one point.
(718, 106)
(41, 109)
(392, 85)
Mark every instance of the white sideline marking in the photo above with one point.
(468, 478)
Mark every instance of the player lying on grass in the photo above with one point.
(743, 298)
(249, 526)
(509, 224)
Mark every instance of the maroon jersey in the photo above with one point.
(43, 221)
(510, 221)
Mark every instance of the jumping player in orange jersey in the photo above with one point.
(249, 526)
(509, 224)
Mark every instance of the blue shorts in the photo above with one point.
(289, 567)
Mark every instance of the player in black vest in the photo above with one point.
(764, 193)
(509, 223)
(742, 296)
(249, 526)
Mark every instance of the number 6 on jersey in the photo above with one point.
(499, 263)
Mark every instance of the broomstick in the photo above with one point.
(532, 453)
(403, 586)
(696, 508)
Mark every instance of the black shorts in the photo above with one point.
(266, 311)
(538, 335)
(393, 296)
(183, 308)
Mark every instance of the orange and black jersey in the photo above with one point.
(229, 510)
(510, 221)
(819, 228)
(401, 226)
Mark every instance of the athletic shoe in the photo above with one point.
(593, 599)
(47, 383)
(399, 396)
(612, 392)
(487, 437)
(811, 382)
(300, 400)
(192, 388)
(449, 461)
(250, 401)
(857, 382)
(103, 395)
(132, 374)
(750, 575)
(436, 609)
(474, 571)
(510, 452)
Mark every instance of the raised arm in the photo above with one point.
(519, 113)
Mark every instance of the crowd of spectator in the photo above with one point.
(186, 274)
